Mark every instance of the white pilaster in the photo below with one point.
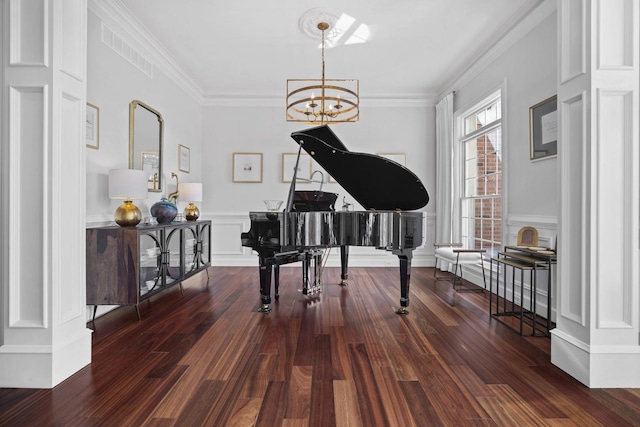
(598, 313)
(43, 334)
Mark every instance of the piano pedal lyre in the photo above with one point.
(311, 291)
(313, 259)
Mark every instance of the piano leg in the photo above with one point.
(276, 282)
(405, 276)
(317, 269)
(344, 262)
(305, 273)
(265, 286)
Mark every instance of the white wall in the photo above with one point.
(529, 68)
(113, 83)
(214, 132)
(530, 194)
(221, 127)
(385, 126)
(263, 129)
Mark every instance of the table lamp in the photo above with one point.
(190, 192)
(128, 184)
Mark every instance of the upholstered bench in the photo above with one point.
(455, 254)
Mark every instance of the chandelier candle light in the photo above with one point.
(128, 184)
(323, 101)
(190, 192)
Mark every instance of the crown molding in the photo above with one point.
(113, 12)
(523, 21)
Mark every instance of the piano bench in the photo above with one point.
(454, 254)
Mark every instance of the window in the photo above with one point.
(481, 198)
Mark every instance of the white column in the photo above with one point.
(598, 311)
(43, 334)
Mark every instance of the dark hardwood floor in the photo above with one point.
(208, 357)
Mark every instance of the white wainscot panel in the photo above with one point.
(28, 147)
(70, 240)
(573, 289)
(28, 32)
(573, 38)
(225, 237)
(74, 35)
(613, 220)
(615, 33)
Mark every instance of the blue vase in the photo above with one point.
(164, 211)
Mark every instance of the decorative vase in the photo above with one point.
(164, 211)
(191, 212)
(128, 214)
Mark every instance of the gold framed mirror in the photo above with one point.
(146, 130)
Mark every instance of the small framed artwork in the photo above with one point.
(184, 158)
(247, 167)
(396, 157)
(543, 129)
(93, 127)
(289, 165)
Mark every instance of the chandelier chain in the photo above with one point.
(322, 110)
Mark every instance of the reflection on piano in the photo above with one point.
(309, 224)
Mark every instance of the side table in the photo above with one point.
(524, 259)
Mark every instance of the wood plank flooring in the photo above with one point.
(208, 357)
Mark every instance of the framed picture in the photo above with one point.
(543, 129)
(289, 164)
(247, 167)
(184, 158)
(93, 127)
(396, 157)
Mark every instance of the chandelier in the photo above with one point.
(323, 101)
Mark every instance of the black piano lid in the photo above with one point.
(375, 182)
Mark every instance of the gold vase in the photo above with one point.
(191, 212)
(128, 214)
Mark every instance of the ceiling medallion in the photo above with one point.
(308, 22)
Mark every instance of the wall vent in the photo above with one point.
(124, 49)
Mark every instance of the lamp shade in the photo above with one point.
(128, 184)
(190, 191)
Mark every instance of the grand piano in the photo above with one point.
(309, 223)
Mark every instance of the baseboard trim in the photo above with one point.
(596, 366)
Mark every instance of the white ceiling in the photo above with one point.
(251, 47)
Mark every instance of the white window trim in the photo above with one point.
(459, 137)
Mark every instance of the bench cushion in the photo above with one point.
(449, 254)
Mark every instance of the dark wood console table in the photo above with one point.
(127, 265)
